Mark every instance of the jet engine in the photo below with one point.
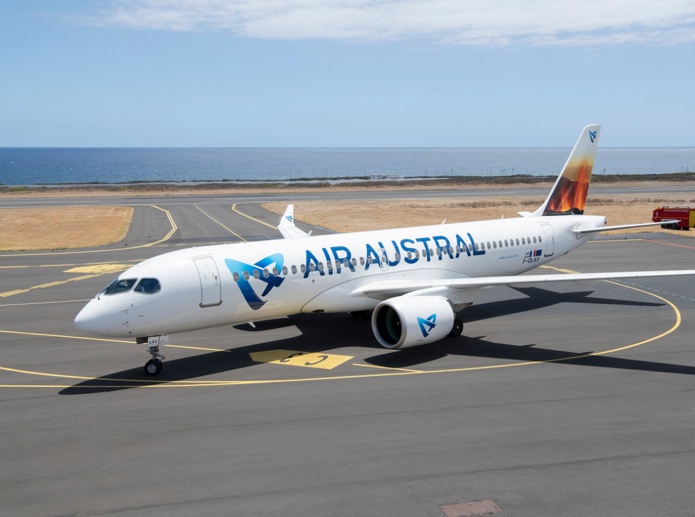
(407, 321)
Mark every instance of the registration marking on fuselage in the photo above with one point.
(298, 358)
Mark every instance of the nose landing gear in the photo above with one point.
(154, 366)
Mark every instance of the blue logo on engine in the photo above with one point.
(427, 324)
(258, 272)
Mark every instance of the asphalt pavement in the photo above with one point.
(570, 400)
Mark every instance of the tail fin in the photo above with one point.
(568, 195)
(287, 227)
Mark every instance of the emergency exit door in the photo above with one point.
(549, 240)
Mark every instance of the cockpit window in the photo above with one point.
(120, 286)
(148, 286)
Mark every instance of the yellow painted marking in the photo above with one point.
(559, 270)
(234, 209)
(50, 284)
(167, 236)
(98, 269)
(409, 370)
(45, 266)
(7, 294)
(223, 226)
(296, 358)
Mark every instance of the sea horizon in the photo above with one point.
(85, 165)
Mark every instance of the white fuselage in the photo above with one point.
(237, 283)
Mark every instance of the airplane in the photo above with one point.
(415, 281)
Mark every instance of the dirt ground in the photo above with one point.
(62, 227)
(343, 216)
(72, 227)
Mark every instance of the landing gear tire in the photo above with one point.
(153, 367)
(457, 328)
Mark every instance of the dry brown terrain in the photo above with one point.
(345, 216)
(62, 227)
(72, 227)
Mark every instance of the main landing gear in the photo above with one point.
(154, 366)
(457, 328)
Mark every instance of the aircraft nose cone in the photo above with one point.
(101, 318)
(87, 319)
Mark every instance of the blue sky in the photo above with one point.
(345, 73)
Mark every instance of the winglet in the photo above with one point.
(568, 195)
(287, 227)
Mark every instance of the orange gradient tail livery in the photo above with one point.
(568, 195)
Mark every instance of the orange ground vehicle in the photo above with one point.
(684, 215)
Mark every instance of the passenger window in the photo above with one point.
(148, 286)
(120, 286)
(540, 239)
(294, 270)
(284, 271)
(236, 276)
(245, 274)
(256, 274)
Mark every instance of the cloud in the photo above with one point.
(469, 22)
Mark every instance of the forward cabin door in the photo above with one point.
(210, 286)
(549, 240)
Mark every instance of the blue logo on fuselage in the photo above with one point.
(259, 272)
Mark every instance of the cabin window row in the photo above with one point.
(506, 243)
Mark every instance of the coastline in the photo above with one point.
(230, 187)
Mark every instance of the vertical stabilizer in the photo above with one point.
(287, 227)
(568, 195)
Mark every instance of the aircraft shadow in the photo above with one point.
(323, 333)
(538, 298)
(479, 347)
(320, 333)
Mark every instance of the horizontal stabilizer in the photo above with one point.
(580, 231)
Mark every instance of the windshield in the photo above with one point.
(148, 286)
(120, 286)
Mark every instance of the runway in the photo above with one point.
(573, 400)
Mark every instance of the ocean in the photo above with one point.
(58, 166)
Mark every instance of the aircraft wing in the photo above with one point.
(287, 227)
(386, 289)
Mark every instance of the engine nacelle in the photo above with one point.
(407, 321)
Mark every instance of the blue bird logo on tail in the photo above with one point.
(257, 271)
